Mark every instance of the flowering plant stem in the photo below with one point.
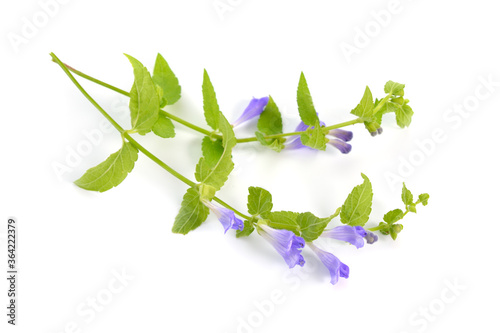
(125, 134)
(202, 130)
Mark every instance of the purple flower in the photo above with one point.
(346, 233)
(254, 108)
(353, 235)
(285, 242)
(334, 265)
(341, 134)
(225, 216)
(344, 147)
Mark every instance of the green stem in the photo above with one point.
(99, 82)
(94, 103)
(188, 124)
(344, 124)
(231, 208)
(377, 228)
(202, 130)
(137, 145)
(381, 103)
(328, 128)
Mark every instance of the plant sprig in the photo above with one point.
(287, 231)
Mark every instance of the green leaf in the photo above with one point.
(144, 101)
(248, 228)
(406, 196)
(393, 216)
(312, 227)
(164, 127)
(304, 100)
(111, 172)
(358, 205)
(270, 121)
(386, 108)
(403, 115)
(394, 88)
(259, 201)
(314, 137)
(216, 174)
(167, 81)
(212, 150)
(192, 213)
(277, 144)
(424, 199)
(364, 109)
(210, 105)
(283, 220)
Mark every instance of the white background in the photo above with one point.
(72, 243)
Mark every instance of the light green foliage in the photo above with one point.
(404, 114)
(364, 109)
(358, 205)
(311, 227)
(304, 101)
(167, 81)
(164, 127)
(212, 150)
(394, 102)
(314, 137)
(389, 226)
(283, 220)
(144, 101)
(423, 198)
(393, 216)
(192, 213)
(216, 174)
(394, 88)
(111, 172)
(270, 123)
(277, 144)
(210, 105)
(406, 196)
(260, 201)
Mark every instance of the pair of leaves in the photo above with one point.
(270, 123)
(149, 94)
